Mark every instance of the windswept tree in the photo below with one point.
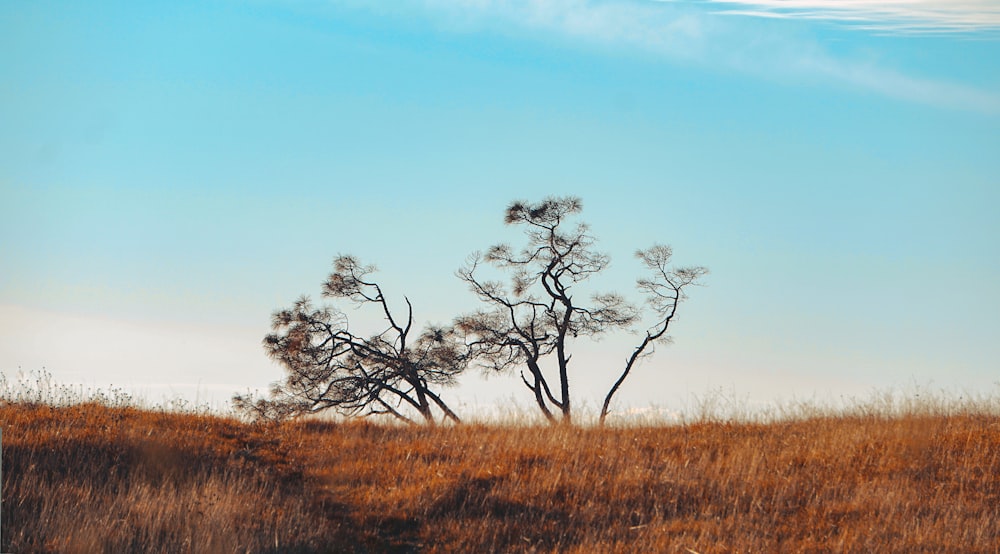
(664, 290)
(535, 312)
(395, 372)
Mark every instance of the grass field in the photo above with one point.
(106, 477)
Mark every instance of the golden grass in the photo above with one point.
(97, 478)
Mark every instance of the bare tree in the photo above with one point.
(536, 313)
(664, 290)
(330, 367)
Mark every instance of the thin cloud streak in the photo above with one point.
(889, 16)
(687, 32)
(649, 25)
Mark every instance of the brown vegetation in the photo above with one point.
(97, 478)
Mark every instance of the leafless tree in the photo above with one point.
(534, 313)
(330, 367)
(664, 289)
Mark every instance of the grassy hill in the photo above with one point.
(96, 478)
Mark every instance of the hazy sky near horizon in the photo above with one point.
(171, 173)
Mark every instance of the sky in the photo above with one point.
(173, 172)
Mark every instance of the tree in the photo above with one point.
(664, 290)
(536, 313)
(330, 367)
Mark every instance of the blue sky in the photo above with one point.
(171, 173)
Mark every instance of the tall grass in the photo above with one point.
(883, 477)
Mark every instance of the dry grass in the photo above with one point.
(91, 478)
(98, 478)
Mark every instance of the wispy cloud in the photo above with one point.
(693, 32)
(895, 84)
(674, 30)
(890, 16)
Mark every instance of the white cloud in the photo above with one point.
(694, 32)
(890, 16)
(674, 30)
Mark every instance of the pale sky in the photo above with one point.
(170, 174)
